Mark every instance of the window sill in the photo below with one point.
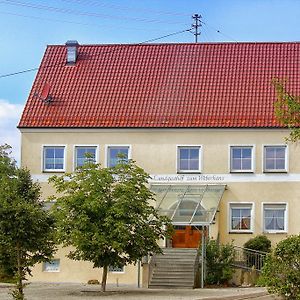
(189, 172)
(51, 271)
(240, 232)
(275, 171)
(241, 172)
(275, 232)
(54, 171)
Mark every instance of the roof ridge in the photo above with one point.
(182, 43)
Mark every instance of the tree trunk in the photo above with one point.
(19, 274)
(104, 277)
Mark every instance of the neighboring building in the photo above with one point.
(198, 117)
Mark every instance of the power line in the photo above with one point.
(19, 72)
(141, 43)
(68, 22)
(81, 13)
(218, 31)
(128, 8)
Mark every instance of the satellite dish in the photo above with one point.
(45, 95)
(45, 92)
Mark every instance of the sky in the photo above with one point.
(28, 26)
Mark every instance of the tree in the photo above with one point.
(105, 214)
(281, 271)
(287, 109)
(26, 229)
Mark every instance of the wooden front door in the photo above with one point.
(186, 237)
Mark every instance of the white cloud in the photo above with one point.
(9, 118)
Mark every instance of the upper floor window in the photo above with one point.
(84, 154)
(54, 158)
(274, 217)
(188, 159)
(241, 217)
(114, 153)
(275, 158)
(241, 158)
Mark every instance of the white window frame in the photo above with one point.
(115, 146)
(84, 146)
(285, 157)
(285, 217)
(117, 272)
(200, 147)
(51, 271)
(43, 162)
(253, 150)
(241, 205)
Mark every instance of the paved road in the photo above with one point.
(47, 291)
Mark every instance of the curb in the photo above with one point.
(237, 297)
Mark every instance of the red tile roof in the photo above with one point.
(163, 85)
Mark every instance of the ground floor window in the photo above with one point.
(241, 217)
(51, 266)
(113, 269)
(274, 217)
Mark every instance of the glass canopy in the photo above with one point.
(188, 204)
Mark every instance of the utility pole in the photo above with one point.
(196, 25)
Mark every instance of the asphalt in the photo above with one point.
(68, 291)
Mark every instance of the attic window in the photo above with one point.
(72, 47)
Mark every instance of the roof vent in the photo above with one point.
(72, 47)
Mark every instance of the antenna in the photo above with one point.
(45, 95)
(196, 25)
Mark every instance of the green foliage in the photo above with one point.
(26, 230)
(287, 109)
(105, 214)
(259, 243)
(281, 271)
(219, 259)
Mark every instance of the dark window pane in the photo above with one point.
(194, 154)
(246, 153)
(236, 153)
(184, 153)
(49, 152)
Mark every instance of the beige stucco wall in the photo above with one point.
(155, 150)
(81, 271)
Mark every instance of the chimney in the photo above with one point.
(72, 48)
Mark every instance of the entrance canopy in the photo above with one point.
(188, 204)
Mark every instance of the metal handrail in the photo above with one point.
(248, 258)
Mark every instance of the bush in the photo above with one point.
(281, 271)
(219, 259)
(259, 243)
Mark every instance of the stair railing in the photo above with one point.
(245, 258)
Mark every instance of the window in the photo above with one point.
(240, 217)
(52, 266)
(113, 153)
(54, 158)
(188, 159)
(274, 217)
(275, 159)
(241, 159)
(84, 154)
(116, 269)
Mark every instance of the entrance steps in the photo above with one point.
(175, 268)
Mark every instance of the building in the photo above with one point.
(198, 117)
